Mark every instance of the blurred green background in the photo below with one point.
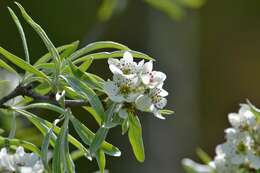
(211, 56)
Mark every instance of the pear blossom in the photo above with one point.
(135, 86)
(243, 118)
(152, 101)
(151, 78)
(20, 161)
(241, 150)
(122, 88)
(125, 66)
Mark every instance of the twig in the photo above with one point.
(27, 91)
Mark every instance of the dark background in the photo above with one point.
(211, 58)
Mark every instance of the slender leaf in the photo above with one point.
(98, 45)
(115, 54)
(166, 112)
(102, 131)
(17, 142)
(22, 64)
(87, 137)
(44, 127)
(61, 150)
(101, 159)
(135, 137)
(46, 58)
(7, 67)
(94, 114)
(40, 32)
(203, 156)
(67, 52)
(20, 29)
(88, 94)
(85, 65)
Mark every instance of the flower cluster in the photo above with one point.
(20, 161)
(136, 85)
(241, 150)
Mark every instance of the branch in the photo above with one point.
(27, 91)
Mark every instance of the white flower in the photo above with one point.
(152, 101)
(27, 162)
(6, 163)
(151, 78)
(243, 119)
(20, 161)
(125, 66)
(122, 88)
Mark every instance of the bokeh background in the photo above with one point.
(211, 56)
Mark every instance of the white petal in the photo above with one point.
(158, 114)
(113, 61)
(161, 103)
(110, 88)
(114, 69)
(140, 65)
(123, 113)
(117, 98)
(143, 103)
(159, 76)
(148, 67)
(146, 79)
(163, 93)
(131, 97)
(127, 57)
(234, 120)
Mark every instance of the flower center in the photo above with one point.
(124, 89)
(241, 148)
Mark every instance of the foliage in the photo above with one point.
(58, 81)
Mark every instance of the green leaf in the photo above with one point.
(46, 58)
(85, 65)
(101, 159)
(7, 67)
(115, 54)
(203, 156)
(166, 112)
(47, 106)
(45, 145)
(125, 126)
(61, 150)
(135, 137)
(57, 164)
(102, 131)
(20, 29)
(169, 7)
(22, 64)
(96, 46)
(94, 114)
(44, 126)
(27, 145)
(67, 52)
(87, 93)
(87, 137)
(40, 32)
